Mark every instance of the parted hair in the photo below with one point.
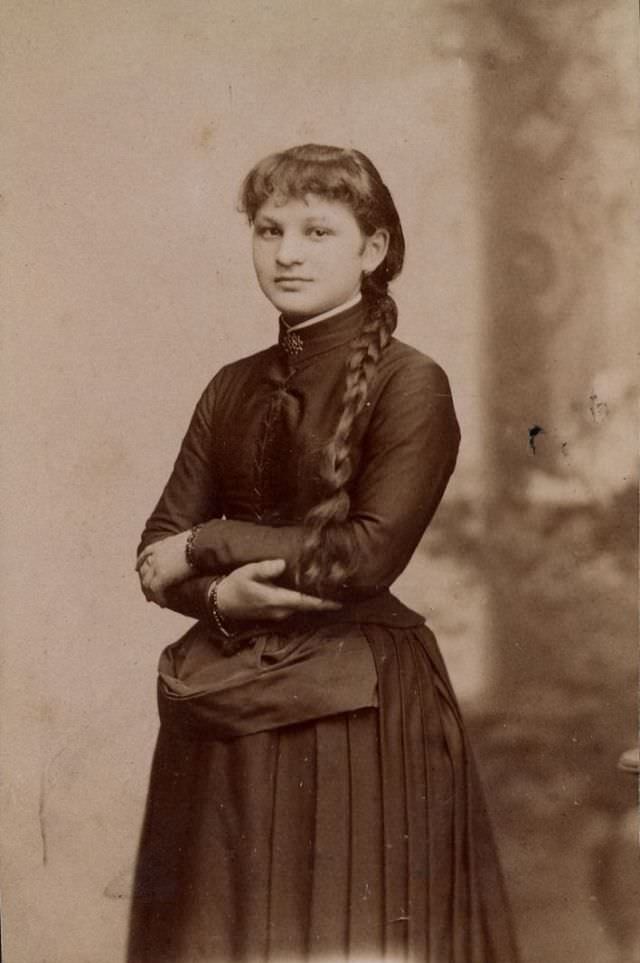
(328, 555)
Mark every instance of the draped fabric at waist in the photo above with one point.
(305, 668)
(273, 680)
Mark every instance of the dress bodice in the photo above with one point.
(274, 414)
(249, 464)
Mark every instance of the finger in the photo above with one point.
(282, 597)
(279, 615)
(267, 570)
(144, 556)
(155, 595)
(313, 604)
(153, 586)
(146, 578)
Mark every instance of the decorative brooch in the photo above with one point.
(292, 343)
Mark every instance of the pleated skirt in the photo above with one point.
(356, 837)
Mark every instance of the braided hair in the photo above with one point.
(327, 556)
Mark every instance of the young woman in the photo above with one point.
(313, 795)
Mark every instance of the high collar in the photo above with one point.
(339, 329)
(296, 325)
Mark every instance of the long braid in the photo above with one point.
(327, 555)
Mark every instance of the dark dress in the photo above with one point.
(313, 795)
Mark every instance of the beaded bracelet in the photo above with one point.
(190, 546)
(212, 605)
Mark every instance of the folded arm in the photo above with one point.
(190, 496)
(409, 453)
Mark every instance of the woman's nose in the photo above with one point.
(289, 251)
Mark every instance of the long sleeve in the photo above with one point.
(408, 454)
(190, 496)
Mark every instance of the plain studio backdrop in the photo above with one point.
(127, 283)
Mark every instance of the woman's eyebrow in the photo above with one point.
(268, 220)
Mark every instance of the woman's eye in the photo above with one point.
(319, 232)
(266, 231)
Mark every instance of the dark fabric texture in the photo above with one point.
(274, 835)
(252, 451)
(361, 836)
(276, 680)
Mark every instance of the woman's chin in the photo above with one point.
(295, 308)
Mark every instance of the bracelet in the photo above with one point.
(212, 605)
(190, 546)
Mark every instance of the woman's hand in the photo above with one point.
(162, 564)
(249, 593)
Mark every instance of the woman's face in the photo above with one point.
(310, 254)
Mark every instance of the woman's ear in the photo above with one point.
(375, 250)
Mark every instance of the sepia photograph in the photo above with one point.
(320, 481)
